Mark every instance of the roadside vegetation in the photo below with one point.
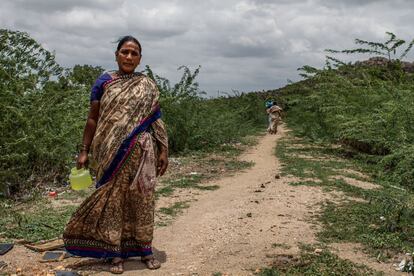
(352, 132)
(366, 107)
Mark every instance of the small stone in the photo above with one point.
(318, 251)
(277, 176)
(262, 186)
(402, 265)
(249, 215)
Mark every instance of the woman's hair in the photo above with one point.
(128, 38)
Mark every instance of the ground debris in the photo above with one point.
(3, 264)
(5, 247)
(406, 264)
(66, 273)
(45, 245)
(53, 256)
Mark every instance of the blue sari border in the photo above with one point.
(101, 254)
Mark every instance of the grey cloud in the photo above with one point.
(364, 3)
(243, 45)
(52, 6)
(161, 20)
(234, 50)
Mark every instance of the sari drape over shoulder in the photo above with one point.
(275, 113)
(117, 220)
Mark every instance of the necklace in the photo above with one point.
(126, 76)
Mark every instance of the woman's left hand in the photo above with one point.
(162, 162)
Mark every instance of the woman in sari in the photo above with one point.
(275, 116)
(129, 143)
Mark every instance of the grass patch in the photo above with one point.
(38, 222)
(174, 209)
(381, 227)
(309, 263)
(382, 221)
(184, 182)
(73, 195)
(238, 165)
(164, 191)
(280, 245)
(289, 152)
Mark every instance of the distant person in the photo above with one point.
(129, 143)
(275, 116)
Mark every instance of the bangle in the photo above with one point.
(85, 148)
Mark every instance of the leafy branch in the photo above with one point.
(387, 49)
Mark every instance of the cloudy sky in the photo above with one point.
(246, 45)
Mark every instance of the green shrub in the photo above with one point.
(197, 123)
(43, 111)
(399, 166)
(368, 108)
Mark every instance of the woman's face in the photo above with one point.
(128, 57)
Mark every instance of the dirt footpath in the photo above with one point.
(235, 229)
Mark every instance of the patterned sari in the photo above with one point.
(275, 113)
(117, 220)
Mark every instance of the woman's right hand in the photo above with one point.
(82, 161)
